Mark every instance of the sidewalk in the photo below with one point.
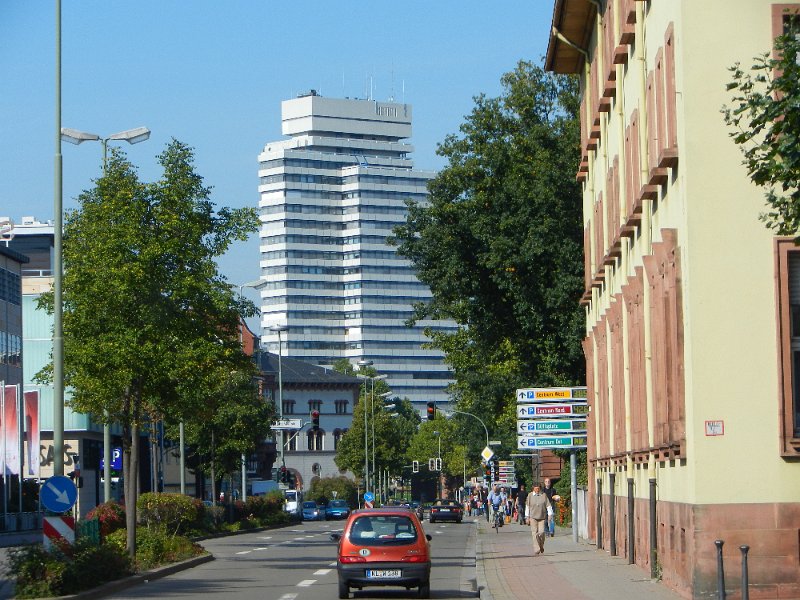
(507, 569)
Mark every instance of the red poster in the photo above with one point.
(10, 431)
(32, 433)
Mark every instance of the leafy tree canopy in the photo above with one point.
(765, 123)
(148, 322)
(500, 243)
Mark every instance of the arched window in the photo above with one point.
(337, 437)
(316, 441)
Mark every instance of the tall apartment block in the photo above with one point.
(329, 198)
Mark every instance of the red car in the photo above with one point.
(446, 510)
(383, 547)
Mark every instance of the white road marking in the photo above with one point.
(288, 597)
(266, 537)
(333, 564)
(307, 583)
(244, 552)
(299, 538)
(264, 548)
(321, 572)
(309, 536)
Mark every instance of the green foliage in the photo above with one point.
(111, 516)
(764, 122)
(326, 486)
(564, 486)
(157, 546)
(239, 422)
(500, 245)
(39, 573)
(392, 434)
(149, 324)
(171, 512)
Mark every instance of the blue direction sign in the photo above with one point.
(573, 409)
(58, 494)
(551, 394)
(551, 426)
(369, 496)
(551, 441)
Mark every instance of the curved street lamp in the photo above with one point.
(280, 329)
(75, 136)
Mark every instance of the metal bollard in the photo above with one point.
(745, 584)
(720, 571)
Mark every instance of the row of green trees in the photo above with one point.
(151, 329)
(500, 244)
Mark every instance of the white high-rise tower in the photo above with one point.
(329, 197)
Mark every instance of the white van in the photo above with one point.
(293, 503)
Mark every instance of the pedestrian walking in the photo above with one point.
(539, 509)
(522, 495)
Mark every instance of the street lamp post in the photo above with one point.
(372, 411)
(279, 329)
(74, 136)
(363, 364)
(438, 434)
(250, 284)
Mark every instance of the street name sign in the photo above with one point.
(550, 441)
(531, 411)
(550, 426)
(550, 394)
(287, 424)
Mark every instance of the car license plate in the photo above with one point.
(444, 510)
(383, 573)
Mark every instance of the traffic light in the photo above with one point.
(415, 466)
(431, 411)
(284, 475)
(487, 471)
(315, 420)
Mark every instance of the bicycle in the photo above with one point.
(499, 515)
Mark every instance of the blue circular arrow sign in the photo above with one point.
(58, 494)
(369, 496)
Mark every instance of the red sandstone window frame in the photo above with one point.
(789, 444)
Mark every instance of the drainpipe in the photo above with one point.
(646, 241)
(612, 513)
(599, 513)
(631, 529)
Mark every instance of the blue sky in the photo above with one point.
(213, 74)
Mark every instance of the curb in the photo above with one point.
(127, 582)
(480, 571)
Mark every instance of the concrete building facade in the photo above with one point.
(329, 198)
(690, 343)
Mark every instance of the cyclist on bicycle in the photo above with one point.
(497, 503)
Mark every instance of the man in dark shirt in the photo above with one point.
(522, 495)
(549, 491)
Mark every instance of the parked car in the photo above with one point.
(446, 510)
(383, 547)
(293, 504)
(313, 511)
(338, 509)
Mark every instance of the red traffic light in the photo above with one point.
(431, 411)
(315, 419)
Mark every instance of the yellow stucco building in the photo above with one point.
(693, 362)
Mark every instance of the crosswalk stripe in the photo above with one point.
(307, 583)
(244, 552)
(321, 572)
